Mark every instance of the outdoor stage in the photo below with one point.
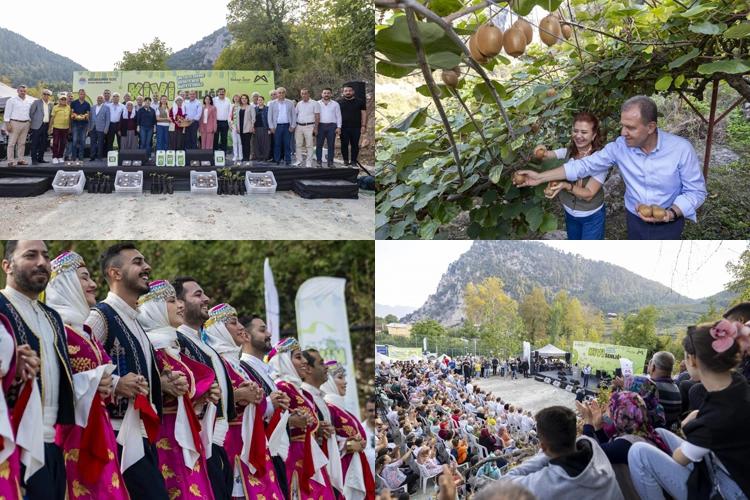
(285, 176)
(555, 378)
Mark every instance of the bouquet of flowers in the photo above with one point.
(77, 116)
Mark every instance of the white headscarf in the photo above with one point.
(154, 317)
(217, 335)
(280, 359)
(64, 293)
(175, 107)
(331, 390)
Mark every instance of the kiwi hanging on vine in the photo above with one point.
(549, 30)
(478, 57)
(489, 40)
(450, 78)
(515, 42)
(524, 26)
(566, 31)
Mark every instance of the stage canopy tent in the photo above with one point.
(382, 357)
(550, 351)
(413, 357)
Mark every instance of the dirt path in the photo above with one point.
(184, 216)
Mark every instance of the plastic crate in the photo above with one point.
(128, 189)
(251, 190)
(75, 189)
(203, 190)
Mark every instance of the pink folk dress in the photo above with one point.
(295, 470)
(347, 426)
(10, 469)
(86, 353)
(183, 482)
(263, 484)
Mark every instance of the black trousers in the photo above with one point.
(143, 479)
(220, 137)
(494, 370)
(350, 136)
(640, 230)
(48, 483)
(39, 139)
(220, 473)
(191, 136)
(109, 141)
(246, 138)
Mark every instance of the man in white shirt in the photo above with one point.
(155, 101)
(38, 328)
(193, 112)
(114, 323)
(281, 122)
(370, 432)
(329, 127)
(308, 116)
(115, 113)
(223, 108)
(17, 122)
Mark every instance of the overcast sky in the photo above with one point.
(98, 46)
(407, 272)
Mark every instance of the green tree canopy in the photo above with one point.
(639, 330)
(391, 319)
(427, 328)
(535, 313)
(151, 56)
(740, 272)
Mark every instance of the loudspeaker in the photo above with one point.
(561, 373)
(199, 155)
(359, 89)
(618, 372)
(567, 357)
(563, 378)
(132, 155)
(536, 356)
(575, 382)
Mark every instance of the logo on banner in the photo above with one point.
(260, 78)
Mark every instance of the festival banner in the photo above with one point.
(607, 356)
(323, 324)
(272, 303)
(171, 83)
(382, 349)
(402, 353)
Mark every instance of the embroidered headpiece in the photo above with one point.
(334, 368)
(220, 314)
(160, 289)
(69, 261)
(283, 345)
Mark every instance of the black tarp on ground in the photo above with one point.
(23, 187)
(285, 176)
(312, 189)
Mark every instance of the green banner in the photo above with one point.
(607, 356)
(403, 352)
(171, 83)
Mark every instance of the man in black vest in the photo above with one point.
(39, 328)
(220, 469)
(113, 322)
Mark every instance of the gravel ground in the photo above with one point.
(184, 216)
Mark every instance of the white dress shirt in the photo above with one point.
(40, 326)
(18, 109)
(193, 109)
(306, 111)
(223, 107)
(115, 112)
(45, 110)
(371, 438)
(281, 116)
(222, 425)
(330, 113)
(264, 370)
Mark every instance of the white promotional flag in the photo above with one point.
(627, 367)
(322, 324)
(272, 303)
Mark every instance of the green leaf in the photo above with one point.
(683, 59)
(425, 91)
(663, 83)
(468, 183)
(621, 74)
(396, 44)
(524, 7)
(549, 223)
(411, 153)
(391, 71)
(444, 7)
(731, 67)
(698, 9)
(446, 212)
(589, 80)
(707, 28)
(415, 119)
(478, 214)
(489, 196)
(428, 229)
(738, 31)
(495, 173)
(679, 80)
(483, 95)
(473, 230)
(381, 220)
(397, 231)
(383, 232)
(534, 217)
(443, 60)
(513, 210)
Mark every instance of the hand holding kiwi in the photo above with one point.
(540, 152)
(523, 178)
(653, 213)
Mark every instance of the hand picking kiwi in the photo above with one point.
(553, 184)
(548, 192)
(519, 178)
(540, 152)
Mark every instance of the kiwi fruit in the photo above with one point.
(540, 152)
(551, 93)
(450, 78)
(553, 184)
(524, 26)
(549, 30)
(515, 42)
(456, 70)
(645, 210)
(478, 56)
(556, 15)
(658, 213)
(548, 192)
(535, 127)
(489, 40)
(519, 178)
(566, 31)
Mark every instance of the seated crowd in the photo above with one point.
(658, 437)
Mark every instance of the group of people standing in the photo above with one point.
(260, 132)
(150, 394)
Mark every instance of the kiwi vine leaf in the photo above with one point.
(616, 50)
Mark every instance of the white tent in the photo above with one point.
(443, 357)
(379, 358)
(6, 92)
(550, 351)
(413, 357)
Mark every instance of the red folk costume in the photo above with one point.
(10, 469)
(306, 462)
(178, 441)
(89, 447)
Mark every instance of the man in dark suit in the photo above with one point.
(98, 128)
(40, 113)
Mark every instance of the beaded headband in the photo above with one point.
(333, 368)
(283, 345)
(69, 261)
(220, 314)
(160, 289)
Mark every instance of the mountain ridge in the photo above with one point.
(202, 54)
(25, 62)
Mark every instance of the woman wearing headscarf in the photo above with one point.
(649, 393)
(306, 462)
(503, 433)
(178, 442)
(177, 133)
(128, 124)
(358, 480)
(246, 442)
(91, 465)
(492, 443)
